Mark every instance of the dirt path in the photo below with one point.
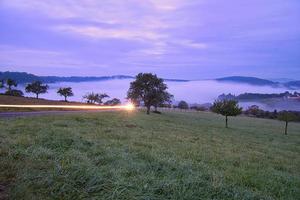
(39, 113)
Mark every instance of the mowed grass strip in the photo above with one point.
(134, 156)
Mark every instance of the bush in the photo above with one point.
(16, 93)
(183, 105)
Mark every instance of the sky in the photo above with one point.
(186, 39)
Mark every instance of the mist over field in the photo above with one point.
(200, 92)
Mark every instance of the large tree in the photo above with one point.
(11, 83)
(65, 92)
(149, 89)
(287, 117)
(226, 108)
(37, 88)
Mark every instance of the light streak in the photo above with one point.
(128, 107)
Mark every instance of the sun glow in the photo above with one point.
(128, 106)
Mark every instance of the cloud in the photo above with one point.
(175, 33)
(102, 33)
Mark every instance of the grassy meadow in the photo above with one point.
(121, 155)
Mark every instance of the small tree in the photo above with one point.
(113, 102)
(95, 97)
(90, 97)
(287, 117)
(65, 92)
(149, 89)
(11, 83)
(37, 88)
(183, 105)
(226, 108)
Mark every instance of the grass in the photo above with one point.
(115, 155)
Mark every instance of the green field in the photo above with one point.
(134, 156)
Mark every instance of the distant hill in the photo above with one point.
(248, 80)
(23, 77)
(20, 77)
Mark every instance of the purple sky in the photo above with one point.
(191, 39)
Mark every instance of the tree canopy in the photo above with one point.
(65, 92)
(226, 108)
(37, 88)
(149, 89)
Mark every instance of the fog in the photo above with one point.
(200, 92)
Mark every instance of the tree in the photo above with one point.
(183, 105)
(161, 99)
(113, 102)
(95, 97)
(149, 89)
(226, 108)
(287, 117)
(65, 92)
(37, 88)
(11, 83)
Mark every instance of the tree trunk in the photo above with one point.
(226, 121)
(148, 110)
(155, 108)
(37, 95)
(65, 98)
(286, 126)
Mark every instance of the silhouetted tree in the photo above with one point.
(287, 117)
(11, 83)
(147, 88)
(95, 97)
(37, 88)
(65, 92)
(226, 108)
(183, 105)
(113, 102)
